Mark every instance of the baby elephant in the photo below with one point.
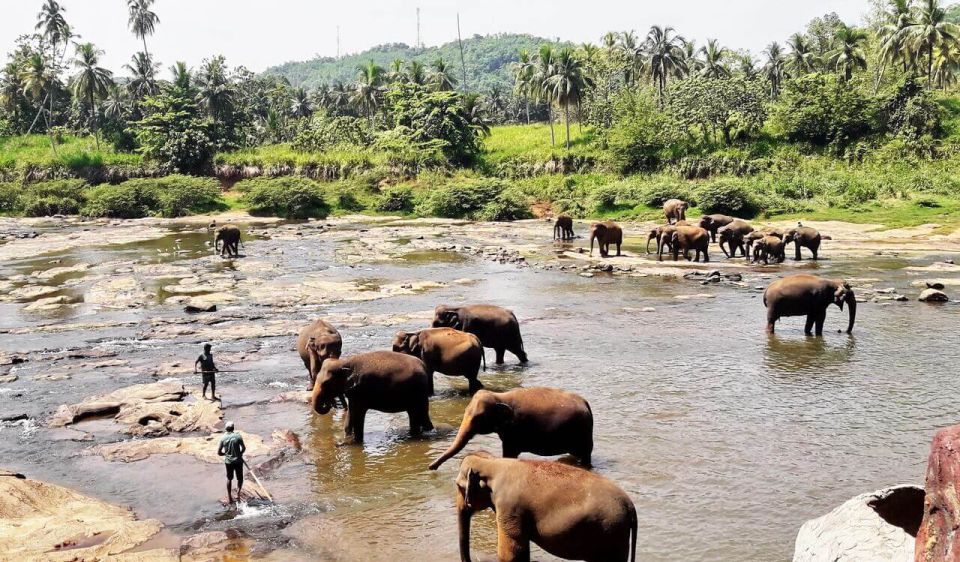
(445, 350)
(230, 236)
(769, 247)
(384, 381)
(567, 511)
(675, 210)
(563, 228)
(543, 421)
(606, 233)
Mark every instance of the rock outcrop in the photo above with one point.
(875, 527)
(938, 539)
(933, 295)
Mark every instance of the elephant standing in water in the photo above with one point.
(675, 210)
(750, 239)
(543, 421)
(563, 228)
(606, 233)
(316, 343)
(804, 236)
(733, 236)
(712, 223)
(230, 236)
(769, 247)
(567, 511)
(810, 296)
(496, 327)
(384, 381)
(445, 350)
(686, 238)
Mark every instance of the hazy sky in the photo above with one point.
(260, 33)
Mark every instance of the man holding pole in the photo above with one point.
(209, 371)
(232, 449)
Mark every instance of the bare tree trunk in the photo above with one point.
(553, 140)
(566, 117)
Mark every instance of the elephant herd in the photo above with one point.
(567, 510)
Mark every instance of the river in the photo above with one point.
(727, 439)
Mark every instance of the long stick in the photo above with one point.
(259, 483)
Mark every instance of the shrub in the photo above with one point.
(178, 196)
(9, 194)
(324, 133)
(823, 110)
(288, 197)
(506, 207)
(641, 137)
(656, 195)
(60, 197)
(608, 196)
(728, 198)
(462, 200)
(344, 197)
(396, 200)
(118, 201)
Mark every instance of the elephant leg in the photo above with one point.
(618, 249)
(808, 327)
(797, 256)
(519, 352)
(814, 251)
(511, 548)
(819, 322)
(713, 236)
(706, 255)
(474, 383)
(500, 351)
(343, 401)
(771, 320)
(354, 427)
(584, 452)
(510, 450)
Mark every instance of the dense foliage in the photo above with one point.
(291, 198)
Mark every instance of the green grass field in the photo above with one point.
(72, 152)
(532, 143)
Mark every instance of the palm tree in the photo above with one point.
(217, 94)
(568, 83)
(632, 55)
(181, 76)
(367, 92)
(142, 21)
(544, 70)
(931, 30)
(441, 79)
(893, 36)
(524, 71)
(143, 72)
(92, 82)
(801, 59)
(713, 60)
(115, 106)
(848, 53)
(300, 104)
(476, 112)
(946, 64)
(747, 66)
(416, 73)
(609, 40)
(396, 71)
(55, 30)
(35, 76)
(665, 55)
(691, 58)
(775, 68)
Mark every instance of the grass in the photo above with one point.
(72, 152)
(532, 143)
(283, 154)
(892, 213)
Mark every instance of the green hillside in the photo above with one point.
(487, 60)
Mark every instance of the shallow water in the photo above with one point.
(726, 438)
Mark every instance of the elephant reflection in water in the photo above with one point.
(802, 355)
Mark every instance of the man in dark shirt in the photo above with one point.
(209, 371)
(232, 449)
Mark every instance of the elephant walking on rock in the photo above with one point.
(810, 296)
(445, 350)
(567, 511)
(606, 233)
(496, 327)
(542, 421)
(384, 381)
(230, 236)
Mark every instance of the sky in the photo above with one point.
(258, 33)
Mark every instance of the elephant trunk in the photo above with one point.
(216, 243)
(852, 305)
(464, 515)
(463, 437)
(651, 237)
(593, 235)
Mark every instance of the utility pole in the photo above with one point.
(419, 44)
(463, 63)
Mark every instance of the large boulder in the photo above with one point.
(875, 527)
(933, 295)
(938, 539)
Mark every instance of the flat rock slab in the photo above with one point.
(40, 521)
(203, 448)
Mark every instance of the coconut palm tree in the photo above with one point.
(92, 82)
(142, 21)
(115, 106)
(630, 51)
(217, 94)
(368, 91)
(524, 71)
(747, 66)
(930, 30)
(35, 76)
(848, 53)
(300, 104)
(775, 68)
(181, 76)
(544, 70)
(946, 65)
(143, 73)
(416, 73)
(609, 40)
(396, 71)
(55, 30)
(893, 35)
(477, 114)
(665, 56)
(801, 59)
(691, 59)
(714, 56)
(567, 84)
(441, 77)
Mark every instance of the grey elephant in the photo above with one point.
(606, 233)
(810, 296)
(803, 236)
(675, 210)
(317, 342)
(732, 235)
(712, 223)
(229, 235)
(445, 350)
(496, 326)
(563, 228)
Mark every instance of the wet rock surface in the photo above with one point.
(938, 539)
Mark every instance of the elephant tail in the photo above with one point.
(633, 534)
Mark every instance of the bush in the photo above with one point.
(608, 196)
(641, 138)
(656, 195)
(728, 198)
(823, 110)
(396, 200)
(506, 207)
(324, 133)
(345, 198)
(118, 201)
(61, 197)
(288, 197)
(9, 194)
(464, 200)
(178, 196)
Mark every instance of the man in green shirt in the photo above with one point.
(232, 449)
(209, 370)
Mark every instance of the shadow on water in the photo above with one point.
(806, 355)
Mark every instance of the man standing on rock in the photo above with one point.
(209, 370)
(232, 449)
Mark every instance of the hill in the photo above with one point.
(487, 58)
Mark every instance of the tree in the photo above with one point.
(801, 59)
(848, 54)
(567, 84)
(544, 70)
(216, 95)
(368, 92)
(441, 78)
(54, 29)
(524, 71)
(631, 53)
(665, 56)
(893, 35)
(91, 82)
(300, 105)
(774, 70)
(181, 76)
(717, 104)
(930, 31)
(416, 73)
(173, 131)
(143, 76)
(476, 112)
(713, 60)
(433, 121)
(822, 109)
(142, 21)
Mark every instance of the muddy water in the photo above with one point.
(726, 438)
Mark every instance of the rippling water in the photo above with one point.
(726, 438)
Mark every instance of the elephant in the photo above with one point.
(733, 236)
(675, 210)
(567, 511)
(686, 238)
(751, 238)
(543, 421)
(445, 350)
(385, 381)
(712, 223)
(803, 236)
(563, 228)
(767, 247)
(657, 233)
(230, 236)
(316, 343)
(496, 326)
(810, 296)
(606, 233)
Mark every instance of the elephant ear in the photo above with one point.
(452, 319)
(502, 415)
(413, 344)
(476, 484)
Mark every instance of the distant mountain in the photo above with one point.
(487, 61)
